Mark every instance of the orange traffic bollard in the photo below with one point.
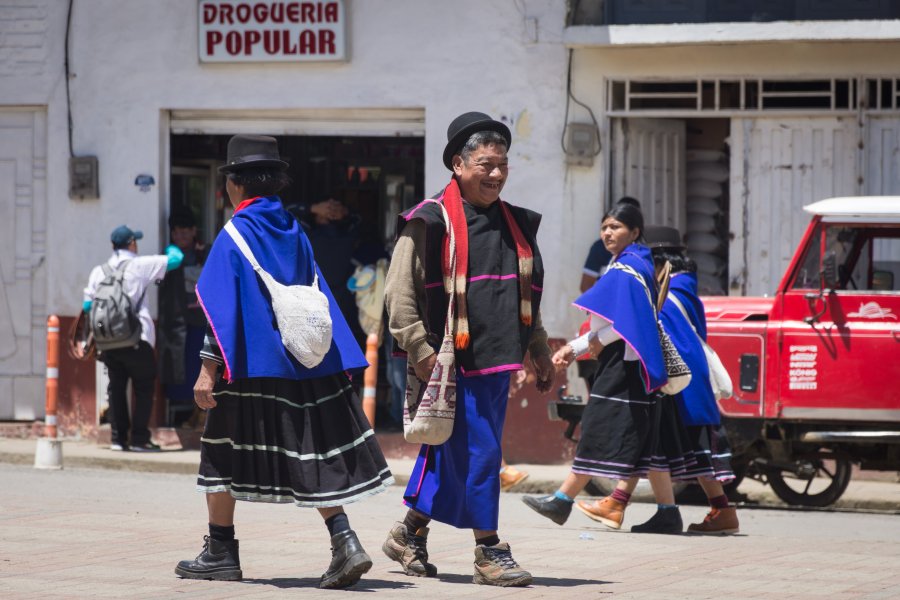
(48, 453)
(370, 378)
(50, 430)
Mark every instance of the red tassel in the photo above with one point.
(462, 341)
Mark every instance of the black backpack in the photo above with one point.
(113, 320)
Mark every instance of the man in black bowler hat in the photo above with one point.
(497, 320)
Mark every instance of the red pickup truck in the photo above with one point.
(816, 367)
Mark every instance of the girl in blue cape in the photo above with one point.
(276, 431)
(620, 424)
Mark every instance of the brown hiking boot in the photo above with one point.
(510, 477)
(608, 511)
(494, 565)
(719, 521)
(409, 550)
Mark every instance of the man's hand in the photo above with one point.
(203, 388)
(425, 366)
(328, 210)
(545, 371)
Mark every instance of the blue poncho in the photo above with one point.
(237, 303)
(696, 403)
(621, 299)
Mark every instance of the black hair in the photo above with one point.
(628, 214)
(260, 181)
(481, 138)
(629, 200)
(681, 262)
(123, 246)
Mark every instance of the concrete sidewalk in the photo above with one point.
(543, 479)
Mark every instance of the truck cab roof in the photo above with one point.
(871, 209)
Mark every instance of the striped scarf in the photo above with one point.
(453, 203)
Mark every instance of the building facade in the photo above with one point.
(723, 125)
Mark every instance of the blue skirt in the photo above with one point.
(458, 482)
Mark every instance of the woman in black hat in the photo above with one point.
(277, 431)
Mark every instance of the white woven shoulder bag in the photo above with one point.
(719, 380)
(301, 311)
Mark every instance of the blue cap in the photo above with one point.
(122, 235)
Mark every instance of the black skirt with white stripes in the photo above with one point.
(279, 440)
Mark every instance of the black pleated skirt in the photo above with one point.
(279, 440)
(712, 451)
(626, 432)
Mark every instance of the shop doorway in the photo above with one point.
(374, 177)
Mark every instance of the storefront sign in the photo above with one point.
(271, 31)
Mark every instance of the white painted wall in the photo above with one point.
(132, 62)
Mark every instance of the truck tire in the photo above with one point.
(827, 484)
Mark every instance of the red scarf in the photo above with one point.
(454, 205)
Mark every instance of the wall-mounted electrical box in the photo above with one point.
(582, 144)
(84, 177)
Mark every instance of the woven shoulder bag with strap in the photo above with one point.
(719, 379)
(430, 407)
(679, 374)
(301, 311)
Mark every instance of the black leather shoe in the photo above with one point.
(348, 561)
(219, 561)
(666, 520)
(550, 506)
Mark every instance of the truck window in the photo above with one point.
(808, 276)
(867, 258)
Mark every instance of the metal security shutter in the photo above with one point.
(649, 164)
(348, 122)
(777, 167)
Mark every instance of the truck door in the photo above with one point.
(840, 352)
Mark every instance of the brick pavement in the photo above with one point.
(83, 533)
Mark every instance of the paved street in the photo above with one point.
(81, 533)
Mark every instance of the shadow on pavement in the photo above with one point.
(364, 585)
(538, 581)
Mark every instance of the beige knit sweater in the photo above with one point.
(404, 297)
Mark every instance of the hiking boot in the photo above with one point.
(719, 521)
(348, 561)
(494, 565)
(666, 520)
(410, 550)
(553, 508)
(510, 477)
(219, 561)
(608, 511)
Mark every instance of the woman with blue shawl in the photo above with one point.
(620, 424)
(276, 431)
(684, 318)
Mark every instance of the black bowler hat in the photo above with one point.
(659, 236)
(245, 151)
(462, 128)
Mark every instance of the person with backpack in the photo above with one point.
(115, 300)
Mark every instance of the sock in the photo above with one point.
(559, 495)
(620, 496)
(414, 521)
(221, 533)
(337, 524)
(719, 502)
(666, 507)
(491, 540)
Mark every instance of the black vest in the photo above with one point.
(498, 337)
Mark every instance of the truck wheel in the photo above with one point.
(823, 480)
(601, 487)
